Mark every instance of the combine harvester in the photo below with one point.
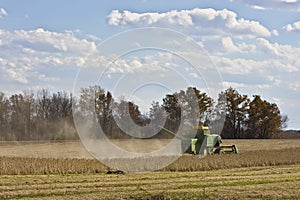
(203, 143)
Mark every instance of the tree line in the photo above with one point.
(40, 116)
(245, 118)
(45, 116)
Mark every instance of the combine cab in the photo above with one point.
(203, 143)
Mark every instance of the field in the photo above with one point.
(76, 150)
(264, 169)
(268, 182)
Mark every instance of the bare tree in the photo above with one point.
(4, 116)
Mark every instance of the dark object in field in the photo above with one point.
(115, 172)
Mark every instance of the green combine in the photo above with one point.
(203, 143)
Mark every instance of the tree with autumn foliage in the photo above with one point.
(189, 107)
(243, 118)
(235, 106)
(264, 119)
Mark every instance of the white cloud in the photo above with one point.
(285, 57)
(238, 66)
(246, 66)
(264, 86)
(256, 54)
(43, 77)
(257, 7)
(149, 63)
(261, 67)
(275, 32)
(41, 56)
(26, 54)
(236, 85)
(275, 80)
(268, 48)
(17, 74)
(229, 45)
(93, 37)
(41, 40)
(295, 86)
(289, 1)
(209, 22)
(293, 5)
(292, 27)
(3, 13)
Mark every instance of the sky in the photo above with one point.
(250, 45)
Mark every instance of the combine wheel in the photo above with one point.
(219, 151)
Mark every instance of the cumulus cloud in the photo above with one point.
(197, 21)
(47, 41)
(44, 56)
(261, 65)
(26, 54)
(265, 57)
(148, 63)
(44, 41)
(292, 27)
(285, 57)
(3, 13)
(229, 45)
(293, 5)
(237, 66)
(268, 48)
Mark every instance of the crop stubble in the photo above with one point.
(266, 182)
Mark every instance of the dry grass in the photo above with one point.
(14, 165)
(246, 159)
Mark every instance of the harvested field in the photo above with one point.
(44, 149)
(267, 182)
(264, 144)
(76, 150)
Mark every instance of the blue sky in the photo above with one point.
(255, 45)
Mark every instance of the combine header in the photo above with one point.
(203, 143)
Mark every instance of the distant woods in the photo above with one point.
(45, 116)
(40, 116)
